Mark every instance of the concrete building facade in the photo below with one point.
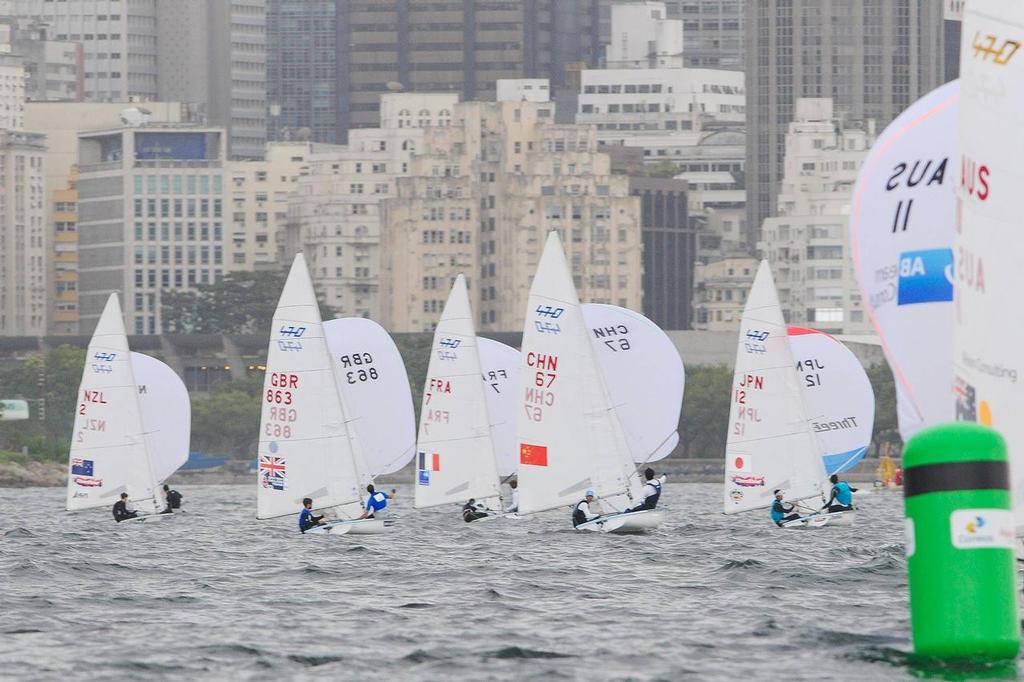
(12, 93)
(213, 54)
(873, 57)
(643, 37)
(118, 38)
(479, 199)
(720, 293)
(53, 68)
(807, 244)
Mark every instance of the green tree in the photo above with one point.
(704, 423)
(227, 421)
(415, 350)
(237, 303)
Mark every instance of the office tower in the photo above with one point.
(670, 250)
(329, 61)
(212, 54)
(53, 68)
(872, 57)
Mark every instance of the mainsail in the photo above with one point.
(456, 453)
(304, 446)
(108, 445)
(901, 233)
(837, 395)
(770, 444)
(569, 434)
(989, 319)
(644, 372)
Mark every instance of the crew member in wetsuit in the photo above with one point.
(471, 511)
(514, 507)
(306, 518)
(376, 503)
(651, 491)
(782, 512)
(121, 511)
(173, 498)
(582, 513)
(842, 495)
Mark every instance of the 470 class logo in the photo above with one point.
(292, 331)
(755, 341)
(104, 357)
(985, 47)
(548, 314)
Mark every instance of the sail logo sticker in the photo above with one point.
(104, 357)
(289, 345)
(101, 369)
(272, 472)
(748, 481)
(548, 311)
(755, 341)
(450, 343)
(292, 331)
(989, 46)
(533, 455)
(982, 528)
(547, 327)
(925, 276)
(88, 481)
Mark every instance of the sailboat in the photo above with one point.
(310, 446)
(570, 436)
(457, 457)
(132, 424)
(771, 442)
(988, 318)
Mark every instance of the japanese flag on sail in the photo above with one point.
(740, 463)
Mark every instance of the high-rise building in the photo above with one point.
(807, 244)
(712, 30)
(213, 54)
(872, 57)
(330, 61)
(53, 68)
(118, 38)
(12, 93)
(480, 197)
(151, 204)
(642, 37)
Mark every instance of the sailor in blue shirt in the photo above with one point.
(842, 495)
(782, 512)
(306, 518)
(376, 502)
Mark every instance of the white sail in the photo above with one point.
(770, 443)
(455, 453)
(989, 319)
(375, 393)
(901, 233)
(569, 434)
(838, 397)
(304, 447)
(108, 447)
(644, 375)
(166, 414)
(499, 369)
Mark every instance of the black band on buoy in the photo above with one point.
(979, 475)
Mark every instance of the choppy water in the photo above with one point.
(214, 594)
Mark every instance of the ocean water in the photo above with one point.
(215, 594)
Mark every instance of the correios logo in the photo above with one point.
(974, 526)
(981, 528)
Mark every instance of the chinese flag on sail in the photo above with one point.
(437, 461)
(537, 455)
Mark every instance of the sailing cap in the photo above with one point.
(777, 492)
(590, 493)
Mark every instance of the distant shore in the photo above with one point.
(34, 474)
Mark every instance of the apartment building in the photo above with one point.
(720, 292)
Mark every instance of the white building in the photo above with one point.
(334, 214)
(118, 37)
(12, 93)
(643, 37)
(524, 90)
(807, 244)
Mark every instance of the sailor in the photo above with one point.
(514, 507)
(376, 502)
(472, 511)
(651, 491)
(121, 511)
(306, 518)
(581, 513)
(842, 495)
(173, 498)
(782, 512)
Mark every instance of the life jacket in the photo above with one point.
(844, 495)
(305, 520)
(174, 499)
(377, 501)
(651, 501)
(578, 516)
(778, 513)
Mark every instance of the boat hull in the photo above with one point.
(629, 522)
(843, 518)
(354, 527)
(148, 518)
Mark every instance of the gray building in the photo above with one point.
(118, 41)
(872, 57)
(670, 250)
(53, 68)
(212, 54)
(329, 61)
(150, 217)
(712, 30)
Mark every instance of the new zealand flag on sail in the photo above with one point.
(81, 467)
